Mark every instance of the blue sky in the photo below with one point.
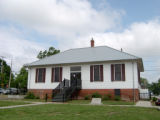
(137, 10)
(26, 27)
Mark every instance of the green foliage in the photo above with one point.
(21, 79)
(154, 99)
(30, 95)
(96, 95)
(37, 97)
(117, 98)
(5, 75)
(144, 83)
(107, 97)
(45, 53)
(87, 97)
(155, 87)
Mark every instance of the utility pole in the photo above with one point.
(10, 74)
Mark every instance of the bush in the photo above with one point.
(86, 97)
(96, 95)
(117, 98)
(107, 97)
(30, 95)
(154, 99)
(37, 97)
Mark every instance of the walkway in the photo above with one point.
(138, 104)
(32, 104)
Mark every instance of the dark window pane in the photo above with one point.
(117, 92)
(96, 73)
(76, 68)
(40, 74)
(57, 71)
(118, 72)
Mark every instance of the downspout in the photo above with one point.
(29, 80)
(133, 82)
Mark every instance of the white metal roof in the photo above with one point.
(83, 55)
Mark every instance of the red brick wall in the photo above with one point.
(126, 94)
(41, 92)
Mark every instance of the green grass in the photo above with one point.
(79, 101)
(109, 102)
(117, 103)
(78, 112)
(11, 103)
(34, 100)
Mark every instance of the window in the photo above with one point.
(96, 73)
(117, 92)
(118, 72)
(75, 69)
(56, 74)
(40, 74)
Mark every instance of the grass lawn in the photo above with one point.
(79, 101)
(104, 102)
(117, 103)
(34, 100)
(37, 100)
(11, 103)
(78, 112)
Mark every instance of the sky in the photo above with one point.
(28, 26)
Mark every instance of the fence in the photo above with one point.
(144, 96)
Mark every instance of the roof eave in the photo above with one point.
(122, 60)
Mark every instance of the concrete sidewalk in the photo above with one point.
(32, 104)
(146, 104)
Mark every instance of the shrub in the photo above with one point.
(107, 97)
(117, 98)
(154, 99)
(30, 95)
(96, 95)
(86, 97)
(37, 97)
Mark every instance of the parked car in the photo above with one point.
(11, 91)
(157, 102)
(1, 90)
(5, 91)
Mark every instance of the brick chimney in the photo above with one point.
(92, 43)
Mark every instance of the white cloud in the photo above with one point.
(16, 48)
(72, 23)
(63, 19)
(140, 39)
(59, 17)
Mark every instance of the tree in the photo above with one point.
(4, 76)
(21, 79)
(155, 87)
(45, 53)
(144, 83)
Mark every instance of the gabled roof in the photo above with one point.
(84, 55)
